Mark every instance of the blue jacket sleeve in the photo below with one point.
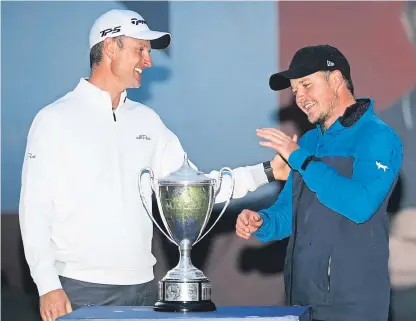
(377, 162)
(277, 219)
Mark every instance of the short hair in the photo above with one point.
(96, 52)
(350, 85)
(347, 80)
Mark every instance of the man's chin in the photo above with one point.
(135, 85)
(313, 121)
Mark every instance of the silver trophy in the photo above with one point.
(185, 200)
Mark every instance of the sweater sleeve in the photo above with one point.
(37, 200)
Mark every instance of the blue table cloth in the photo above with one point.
(129, 313)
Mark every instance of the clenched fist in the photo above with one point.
(248, 222)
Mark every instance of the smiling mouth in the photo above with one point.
(307, 107)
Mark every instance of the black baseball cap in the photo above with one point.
(309, 60)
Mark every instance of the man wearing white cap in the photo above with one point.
(86, 235)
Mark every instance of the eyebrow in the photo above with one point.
(301, 82)
(144, 46)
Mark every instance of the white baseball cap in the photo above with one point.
(126, 23)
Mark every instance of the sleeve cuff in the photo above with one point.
(262, 232)
(297, 158)
(260, 177)
(48, 282)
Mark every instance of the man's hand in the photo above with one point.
(248, 222)
(278, 141)
(54, 304)
(281, 168)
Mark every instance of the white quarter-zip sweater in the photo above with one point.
(81, 215)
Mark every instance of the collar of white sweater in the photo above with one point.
(95, 95)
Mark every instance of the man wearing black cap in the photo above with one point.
(333, 205)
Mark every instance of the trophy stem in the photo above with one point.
(185, 271)
(185, 261)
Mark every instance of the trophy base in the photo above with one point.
(202, 306)
(184, 296)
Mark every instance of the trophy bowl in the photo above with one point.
(185, 200)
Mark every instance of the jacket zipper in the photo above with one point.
(119, 152)
(294, 242)
(295, 232)
(329, 274)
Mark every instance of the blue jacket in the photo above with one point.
(334, 210)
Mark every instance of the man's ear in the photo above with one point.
(336, 79)
(109, 48)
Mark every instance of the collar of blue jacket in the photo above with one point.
(363, 108)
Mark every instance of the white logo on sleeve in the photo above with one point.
(380, 165)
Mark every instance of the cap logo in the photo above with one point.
(107, 31)
(136, 21)
(329, 63)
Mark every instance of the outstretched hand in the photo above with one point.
(278, 141)
(281, 168)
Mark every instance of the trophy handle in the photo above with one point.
(230, 172)
(146, 206)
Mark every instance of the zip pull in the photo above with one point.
(329, 274)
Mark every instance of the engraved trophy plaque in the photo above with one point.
(185, 199)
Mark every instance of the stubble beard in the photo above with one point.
(328, 113)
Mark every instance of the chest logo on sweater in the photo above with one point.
(380, 165)
(143, 137)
